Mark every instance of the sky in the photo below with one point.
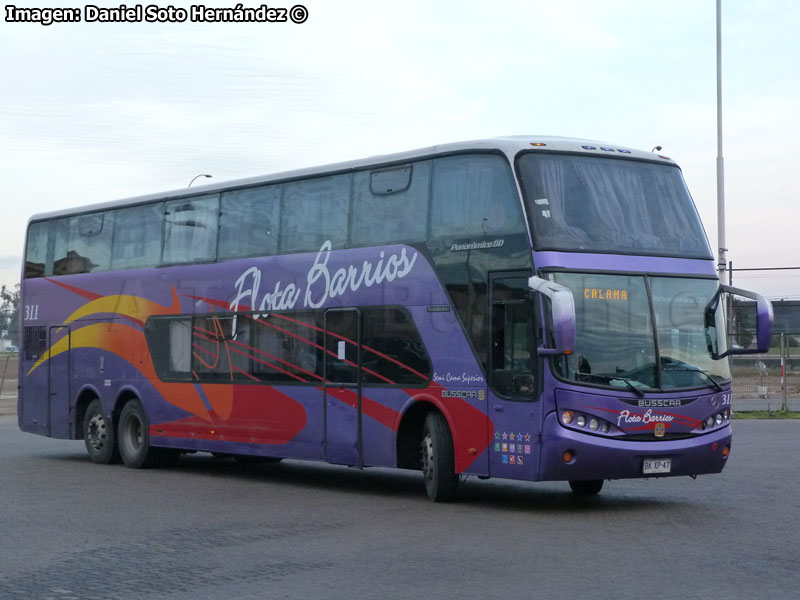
(91, 112)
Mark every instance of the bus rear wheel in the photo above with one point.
(438, 461)
(134, 437)
(98, 435)
(586, 488)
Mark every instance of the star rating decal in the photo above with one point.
(513, 454)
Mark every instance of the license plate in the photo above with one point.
(656, 466)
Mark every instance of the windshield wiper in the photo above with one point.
(695, 369)
(610, 378)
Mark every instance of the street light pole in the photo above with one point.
(206, 175)
(722, 257)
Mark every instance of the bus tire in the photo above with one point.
(586, 488)
(438, 460)
(98, 435)
(134, 437)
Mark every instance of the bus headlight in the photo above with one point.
(577, 420)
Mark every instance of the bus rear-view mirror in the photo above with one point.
(749, 326)
(561, 318)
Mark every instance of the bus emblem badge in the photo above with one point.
(660, 430)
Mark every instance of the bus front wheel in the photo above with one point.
(438, 461)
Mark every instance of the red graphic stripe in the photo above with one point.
(348, 340)
(287, 363)
(243, 307)
(205, 333)
(75, 290)
(384, 415)
(246, 374)
(471, 427)
(90, 296)
(271, 366)
(279, 416)
(199, 347)
(329, 352)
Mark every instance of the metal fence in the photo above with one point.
(771, 381)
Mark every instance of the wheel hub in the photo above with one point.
(427, 457)
(133, 433)
(97, 432)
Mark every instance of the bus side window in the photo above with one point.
(62, 254)
(512, 341)
(474, 195)
(82, 244)
(286, 347)
(36, 251)
(180, 346)
(90, 238)
(137, 236)
(190, 232)
(249, 222)
(391, 205)
(170, 342)
(392, 351)
(313, 211)
(35, 342)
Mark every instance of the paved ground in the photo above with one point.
(8, 392)
(8, 389)
(8, 404)
(210, 528)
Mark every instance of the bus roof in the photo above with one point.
(508, 145)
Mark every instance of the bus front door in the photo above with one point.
(343, 387)
(514, 398)
(58, 378)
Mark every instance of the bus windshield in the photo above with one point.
(617, 344)
(598, 204)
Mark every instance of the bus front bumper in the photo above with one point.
(569, 455)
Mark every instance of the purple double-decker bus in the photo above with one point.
(528, 308)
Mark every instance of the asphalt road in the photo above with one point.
(211, 528)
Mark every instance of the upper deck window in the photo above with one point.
(315, 210)
(249, 222)
(474, 195)
(36, 251)
(593, 204)
(82, 244)
(391, 205)
(137, 236)
(190, 233)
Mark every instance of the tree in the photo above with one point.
(9, 312)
